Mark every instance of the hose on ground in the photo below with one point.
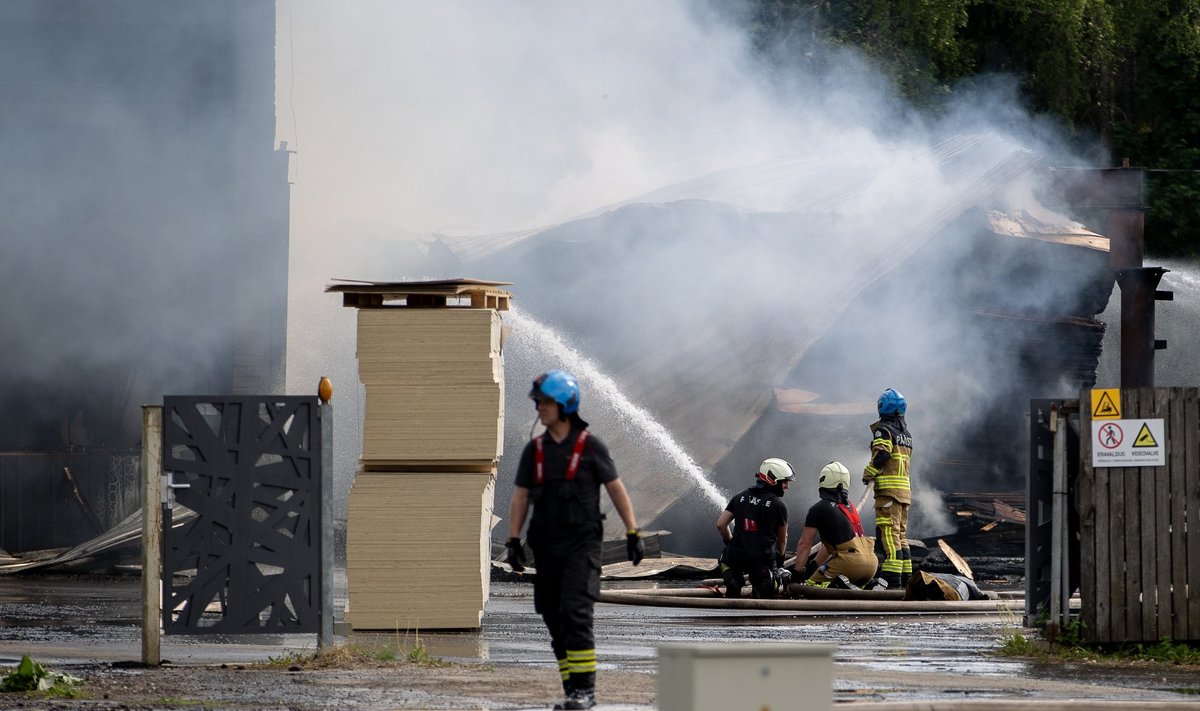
(628, 597)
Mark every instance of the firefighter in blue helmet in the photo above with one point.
(560, 475)
(758, 540)
(891, 446)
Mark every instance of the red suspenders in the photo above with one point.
(855, 521)
(572, 466)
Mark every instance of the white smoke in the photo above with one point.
(468, 117)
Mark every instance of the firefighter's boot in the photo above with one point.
(564, 672)
(733, 584)
(583, 691)
(892, 580)
(841, 582)
(566, 695)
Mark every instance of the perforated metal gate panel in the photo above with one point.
(249, 561)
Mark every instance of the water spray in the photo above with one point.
(632, 416)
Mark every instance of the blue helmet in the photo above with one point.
(559, 386)
(891, 403)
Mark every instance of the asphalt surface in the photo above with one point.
(909, 661)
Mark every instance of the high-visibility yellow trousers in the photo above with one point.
(891, 535)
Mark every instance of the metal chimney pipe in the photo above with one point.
(1138, 293)
(1120, 194)
(1121, 190)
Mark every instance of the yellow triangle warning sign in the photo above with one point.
(1145, 438)
(1106, 404)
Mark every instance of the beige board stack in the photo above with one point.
(418, 549)
(434, 381)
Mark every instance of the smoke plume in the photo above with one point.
(688, 218)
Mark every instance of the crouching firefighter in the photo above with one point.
(560, 474)
(891, 447)
(756, 545)
(845, 558)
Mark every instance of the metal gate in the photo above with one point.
(1040, 542)
(249, 469)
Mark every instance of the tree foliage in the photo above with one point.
(1127, 71)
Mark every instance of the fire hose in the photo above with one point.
(703, 598)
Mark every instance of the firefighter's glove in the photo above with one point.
(635, 547)
(783, 578)
(516, 555)
(723, 560)
(869, 474)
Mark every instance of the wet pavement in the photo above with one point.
(64, 620)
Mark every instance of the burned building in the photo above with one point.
(760, 312)
(144, 224)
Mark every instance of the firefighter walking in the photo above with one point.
(560, 475)
(891, 447)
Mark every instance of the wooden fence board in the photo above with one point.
(1143, 603)
(1116, 552)
(1130, 551)
(1139, 551)
(1140, 529)
(1102, 543)
(1104, 557)
(1153, 533)
(1192, 467)
(1160, 408)
(1177, 462)
(1086, 499)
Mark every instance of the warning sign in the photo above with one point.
(1106, 404)
(1113, 447)
(1110, 435)
(1145, 438)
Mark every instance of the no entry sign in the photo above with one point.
(1128, 443)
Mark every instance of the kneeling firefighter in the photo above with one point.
(561, 473)
(758, 540)
(845, 558)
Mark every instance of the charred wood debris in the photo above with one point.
(989, 533)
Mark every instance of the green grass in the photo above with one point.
(1050, 645)
(31, 676)
(349, 656)
(1168, 652)
(1016, 644)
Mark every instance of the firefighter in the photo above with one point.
(891, 446)
(560, 475)
(845, 558)
(758, 539)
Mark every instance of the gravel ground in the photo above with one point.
(399, 686)
(89, 627)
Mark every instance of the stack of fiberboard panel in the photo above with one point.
(418, 546)
(434, 381)
(418, 550)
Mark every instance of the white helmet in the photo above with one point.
(833, 475)
(774, 470)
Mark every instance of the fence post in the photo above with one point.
(325, 639)
(1060, 588)
(151, 534)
